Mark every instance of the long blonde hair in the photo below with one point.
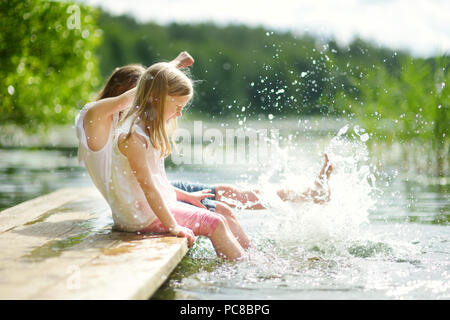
(156, 83)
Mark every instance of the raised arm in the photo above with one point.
(183, 60)
(97, 120)
(105, 108)
(134, 148)
(108, 106)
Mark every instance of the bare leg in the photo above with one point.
(233, 224)
(320, 193)
(231, 195)
(224, 242)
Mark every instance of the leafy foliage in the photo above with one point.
(48, 68)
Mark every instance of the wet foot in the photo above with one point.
(321, 191)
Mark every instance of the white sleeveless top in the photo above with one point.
(97, 163)
(130, 209)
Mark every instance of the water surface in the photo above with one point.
(384, 235)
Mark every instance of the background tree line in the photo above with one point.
(49, 71)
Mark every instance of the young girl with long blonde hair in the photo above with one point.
(140, 195)
(96, 122)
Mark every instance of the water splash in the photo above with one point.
(308, 251)
(331, 226)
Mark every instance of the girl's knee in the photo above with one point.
(224, 210)
(221, 224)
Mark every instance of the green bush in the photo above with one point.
(49, 66)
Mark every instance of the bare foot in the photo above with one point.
(318, 193)
(327, 168)
(321, 192)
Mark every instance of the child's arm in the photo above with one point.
(108, 106)
(105, 108)
(183, 60)
(193, 198)
(181, 194)
(134, 148)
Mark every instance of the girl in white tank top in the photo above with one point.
(97, 163)
(96, 122)
(129, 206)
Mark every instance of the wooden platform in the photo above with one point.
(61, 246)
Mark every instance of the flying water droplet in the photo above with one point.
(343, 130)
(364, 137)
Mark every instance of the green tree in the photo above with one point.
(49, 66)
(412, 104)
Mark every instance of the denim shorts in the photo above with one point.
(209, 203)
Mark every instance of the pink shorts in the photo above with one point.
(201, 221)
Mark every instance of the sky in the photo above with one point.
(421, 27)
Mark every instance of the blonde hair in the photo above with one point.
(156, 83)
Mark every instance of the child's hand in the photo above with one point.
(183, 232)
(184, 60)
(195, 198)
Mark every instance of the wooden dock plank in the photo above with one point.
(133, 270)
(55, 229)
(32, 209)
(66, 249)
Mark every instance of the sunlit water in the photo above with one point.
(383, 235)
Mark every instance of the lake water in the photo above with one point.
(385, 234)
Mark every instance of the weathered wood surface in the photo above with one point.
(62, 246)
